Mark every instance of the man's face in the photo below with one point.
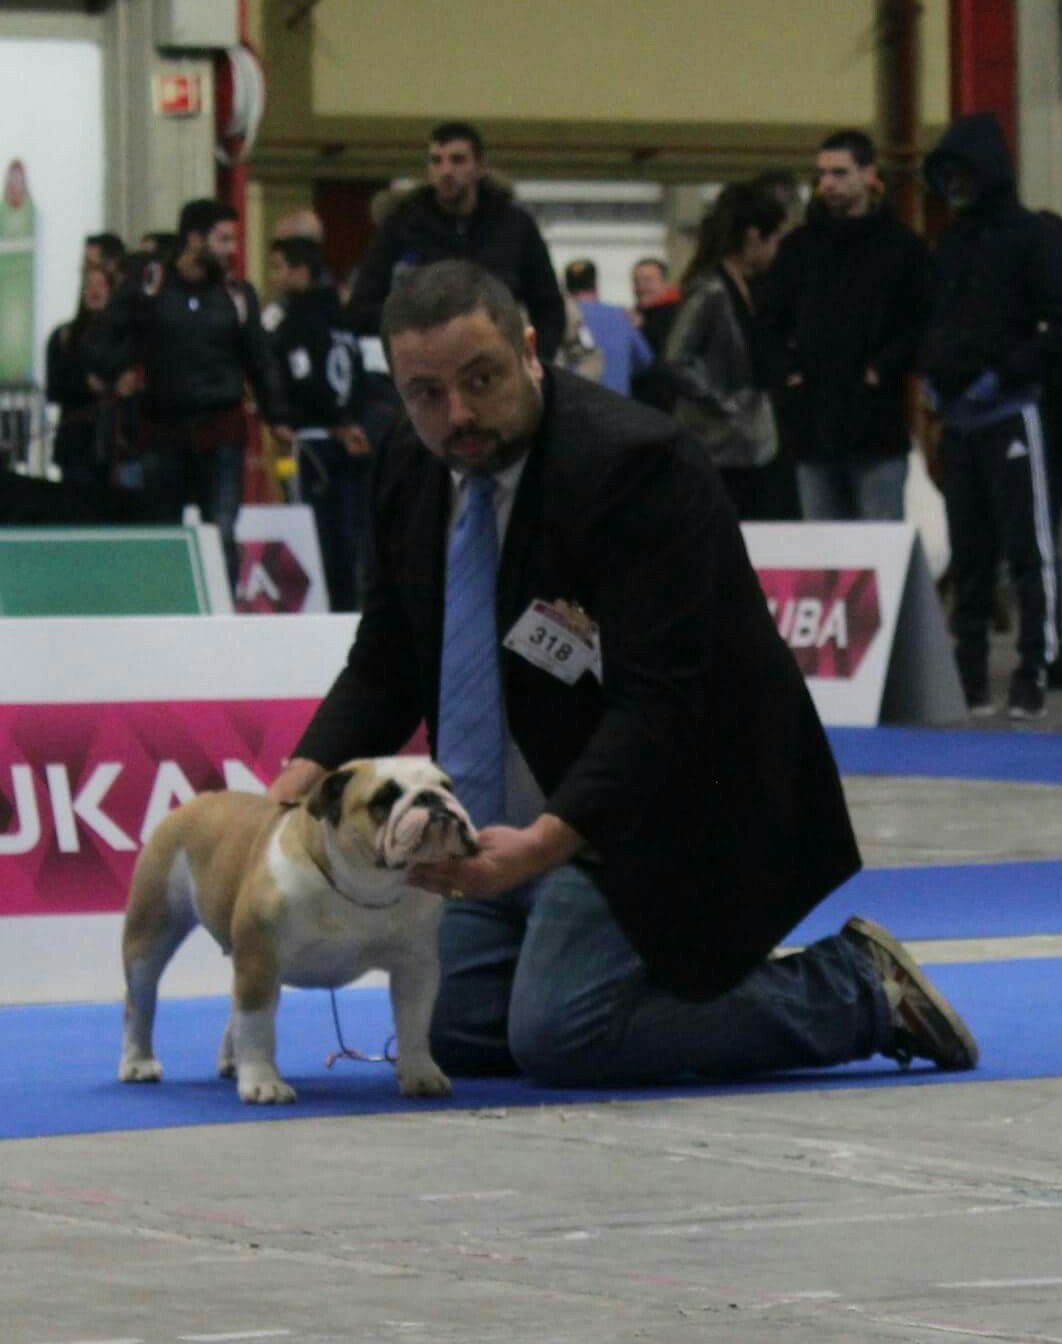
(474, 400)
(284, 278)
(958, 184)
(222, 242)
(454, 171)
(760, 250)
(843, 185)
(95, 289)
(649, 284)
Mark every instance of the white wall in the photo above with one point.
(51, 117)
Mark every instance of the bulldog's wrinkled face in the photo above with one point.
(394, 811)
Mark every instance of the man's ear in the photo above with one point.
(326, 801)
(530, 352)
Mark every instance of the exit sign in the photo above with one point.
(177, 95)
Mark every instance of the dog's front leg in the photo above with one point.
(256, 993)
(414, 987)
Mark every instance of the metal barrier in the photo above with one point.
(24, 444)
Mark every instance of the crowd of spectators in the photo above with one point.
(805, 336)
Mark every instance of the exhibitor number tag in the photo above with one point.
(548, 638)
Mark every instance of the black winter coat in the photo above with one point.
(319, 358)
(844, 295)
(197, 343)
(499, 235)
(996, 274)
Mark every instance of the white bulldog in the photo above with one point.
(312, 895)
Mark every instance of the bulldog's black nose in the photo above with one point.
(426, 798)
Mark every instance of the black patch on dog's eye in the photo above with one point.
(326, 801)
(383, 800)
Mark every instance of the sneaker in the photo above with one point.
(1027, 699)
(925, 1026)
(980, 706)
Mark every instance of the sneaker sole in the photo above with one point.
(982, 711)
(1015, 713)
(947, 1017)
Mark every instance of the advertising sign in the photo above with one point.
(860, 613)
(18, 241)
(108, 723)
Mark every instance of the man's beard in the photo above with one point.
(213, 270)
(504, 453)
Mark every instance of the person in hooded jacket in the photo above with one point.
(318, 353)
(462, 214)
(841, 315)
(994, 332)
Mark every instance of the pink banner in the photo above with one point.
(828, 617)
(81, 787)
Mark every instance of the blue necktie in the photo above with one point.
(471, 719)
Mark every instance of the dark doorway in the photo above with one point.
(344, 206)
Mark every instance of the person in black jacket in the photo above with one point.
(666, 806)
(842, 309)
(197, 334)
(80, 448)
(462, 212)
(318, 353)
(994, 335)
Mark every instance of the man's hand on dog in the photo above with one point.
(296, 780)
(508, 857)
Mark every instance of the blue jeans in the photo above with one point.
(544, 982)
(869, 492)
(336, 487)
(211, 480)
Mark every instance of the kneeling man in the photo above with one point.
(562, 592)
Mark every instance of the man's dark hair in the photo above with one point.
(458, 130)
(163, 242)
(660, 264)
(857, 143)
(300, 252)
(580, 275)
(431, 296)
(200, 216)
(110, 245)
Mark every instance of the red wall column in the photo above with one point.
(984, 61)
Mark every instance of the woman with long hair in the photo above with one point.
(710, 351)
(81, 448)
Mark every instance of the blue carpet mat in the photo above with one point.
(58, 1063)
(1034, 758)
(987, 900)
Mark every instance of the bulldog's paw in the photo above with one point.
(422, 1079)
(264, 1087)
(140, 1069)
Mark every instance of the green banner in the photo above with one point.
(18, 243)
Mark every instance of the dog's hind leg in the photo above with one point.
(227, 1049)
(154, 929)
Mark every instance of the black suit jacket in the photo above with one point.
(698, 770)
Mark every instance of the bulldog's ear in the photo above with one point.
(326, 801)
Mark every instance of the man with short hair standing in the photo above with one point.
(196, 332)
(463, 213)
(321, 364)
(842, 310)
(625, 349)
(561, 591)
